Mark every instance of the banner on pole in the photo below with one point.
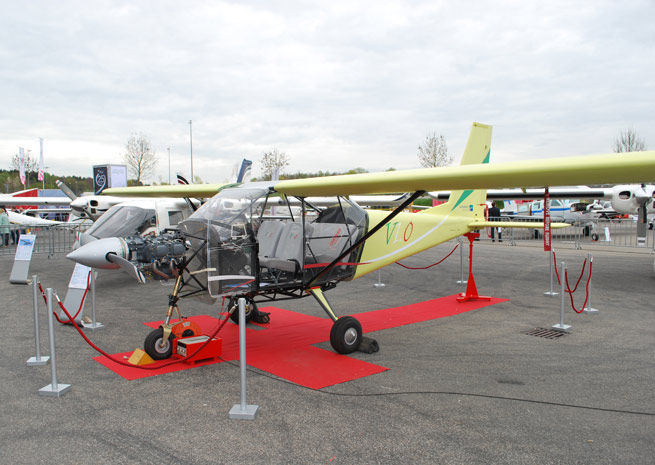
(21, 164)
(547, 233)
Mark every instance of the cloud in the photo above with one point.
(336, 85)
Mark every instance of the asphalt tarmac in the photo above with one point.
(468, 389)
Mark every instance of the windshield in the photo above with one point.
(228, 207)
(121, 221)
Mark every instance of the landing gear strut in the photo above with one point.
(346, 335)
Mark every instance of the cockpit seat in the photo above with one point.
(329, 240)
(289, 252)
(268, 237)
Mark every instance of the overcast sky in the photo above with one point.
(335, 84)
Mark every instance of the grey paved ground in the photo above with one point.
(470, 389)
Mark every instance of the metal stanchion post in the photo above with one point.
(589, 309)
(38, 360)
(379, 284)
(94, 324)
(54, 388)
(561, 326)
(551, 259)
(461, 263)
(243, 411)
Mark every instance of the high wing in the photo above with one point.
(11, 201)
(565, 171)
(592, 169)
(177, 190)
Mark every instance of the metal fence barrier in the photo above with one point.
(60, 238)
(615, 232)
(50, 240)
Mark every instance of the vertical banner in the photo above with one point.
(547, 235)
(100, 176)
(21, 164)
(40, 178)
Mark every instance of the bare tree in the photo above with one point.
(273, 160)
(434, 152)
(629, 141)
(31, 163)
(140, 157)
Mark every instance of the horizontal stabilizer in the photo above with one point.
(515, 224)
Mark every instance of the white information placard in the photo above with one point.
(25, 247)
(80, 277)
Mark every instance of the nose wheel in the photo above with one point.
(346, 335)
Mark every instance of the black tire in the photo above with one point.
(346, 335)
(594, 237)
(251, 309)
(152, 345)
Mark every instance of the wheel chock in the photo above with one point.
(368, 345)
(139, 357)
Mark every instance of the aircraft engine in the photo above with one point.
(154, 257)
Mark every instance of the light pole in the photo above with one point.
(169, 165)
(191, 146)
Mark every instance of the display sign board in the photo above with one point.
(22, 259)
(105, 176)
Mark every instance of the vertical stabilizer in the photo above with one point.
(469, 203)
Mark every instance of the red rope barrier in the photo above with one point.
(122, 362)
(568, 287)
(571, 292)
(429, 266)
(45, 299)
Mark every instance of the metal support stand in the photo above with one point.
(379, 284)
(551, 259)
(243, 411)
(94, 324)
(561, 326)
(589, 309)
(53, 389)
(38, 360)
(461, 262)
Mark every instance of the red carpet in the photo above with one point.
(284, 347)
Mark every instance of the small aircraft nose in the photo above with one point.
(94, 254)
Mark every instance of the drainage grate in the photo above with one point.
(545, 333)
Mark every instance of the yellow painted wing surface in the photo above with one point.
(632, 167)
(176, 190)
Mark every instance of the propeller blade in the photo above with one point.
(127, 266)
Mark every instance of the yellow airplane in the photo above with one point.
(237, 245)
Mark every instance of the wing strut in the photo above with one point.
(365, 237)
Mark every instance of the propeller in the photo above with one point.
(79, 204)
(108, 254)
(127, 266)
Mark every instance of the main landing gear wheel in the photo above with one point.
(252, 312)
(152, 345)
(346, 335)
(251, 309)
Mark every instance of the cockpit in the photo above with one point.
(253, 239)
